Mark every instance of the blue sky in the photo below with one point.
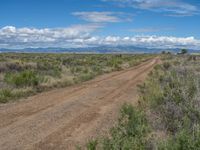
(80, 23)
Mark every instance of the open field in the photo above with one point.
(64, 118)
(27, 74)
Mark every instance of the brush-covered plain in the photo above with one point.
(27, 74)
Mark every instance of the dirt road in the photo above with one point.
(63, 118)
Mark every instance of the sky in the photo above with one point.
(85, 23)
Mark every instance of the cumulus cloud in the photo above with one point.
(171, 7)
(103, 17)
(33, 37)
(81, 36)
(162, 42)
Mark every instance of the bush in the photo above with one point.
(49, 68)
(22, 79)
(5, 94)
(184, 51)
(182, 141)
(85, 77)
(92, 145)
(166, 65)
(129, 133)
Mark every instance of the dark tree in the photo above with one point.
(184, 51)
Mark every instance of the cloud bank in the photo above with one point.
(82, 36)
(32, 37)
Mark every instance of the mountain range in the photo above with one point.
(101, 50)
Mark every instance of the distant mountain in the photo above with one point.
(101, 49)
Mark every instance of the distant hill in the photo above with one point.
(101, 50)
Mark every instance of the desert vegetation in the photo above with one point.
(168, 113)
(25, 74)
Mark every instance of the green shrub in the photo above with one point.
(97, 69)
(22, 79)
(130, 132)
(50, 68)
(5, 94)
(85, 77)
(166, 65)
(184, 140)
(92, 145)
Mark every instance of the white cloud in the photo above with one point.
(81, 36)
(33, 37)
(162, 42)
(171, 7)
(103, 17)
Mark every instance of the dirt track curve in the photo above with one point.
(63, 118)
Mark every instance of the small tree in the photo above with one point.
(169, 53)
(184, 51)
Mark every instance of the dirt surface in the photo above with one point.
(64, 118)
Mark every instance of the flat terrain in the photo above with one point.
(23, 75)
(63, 118)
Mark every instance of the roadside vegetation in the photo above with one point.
(168, 113)
(26, 74)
